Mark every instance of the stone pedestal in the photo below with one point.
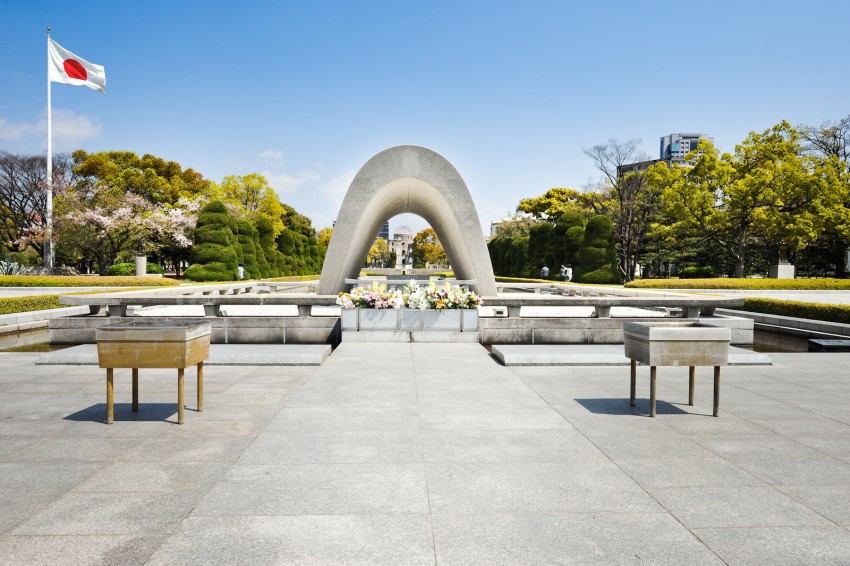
(781, 271)
(141, 265)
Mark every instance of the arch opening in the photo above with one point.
(416, 180)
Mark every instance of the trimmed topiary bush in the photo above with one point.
(83, 281)
(245, 233)
(214, 257)
(265, 234)
(693, 272)
(798, 309)
(742, 283)
(597, 258)
(128, 269)
(10, 305)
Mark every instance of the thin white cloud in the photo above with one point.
(287, 183)
(70, 128)
(334, 189)
(10, 131)
(272, 155)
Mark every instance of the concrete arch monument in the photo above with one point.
(408, 178)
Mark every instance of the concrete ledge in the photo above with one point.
(220, 355)
(32, 316)
(594, 355)
(225, 330)
(791, 325)
(415, 336)
(23, 327)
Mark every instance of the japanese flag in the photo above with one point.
(65, 67)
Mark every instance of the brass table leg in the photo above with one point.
(716, 390)
(135, 390)
(691, 372)
(200, 387)
(652, 391)
(634, 383)
(110, 399)
(180, 401)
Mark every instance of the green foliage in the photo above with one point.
(214, 255)
(693, 272)
(799, 309)
(743, 283)
(771, 193)
(601, 276)
(428, 249)
(129, 269)
(572, 244)
(300, 253)
(150, 177)
(265, 232)
(10, 267)
(83, 281)
(254, 195)
(597, 258)
(10, 305)
(509, 256)
(246, 232)
(27, 258)
(559, 201)
(540, 248)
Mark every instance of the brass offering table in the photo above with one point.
(153, 344)
(679, 343)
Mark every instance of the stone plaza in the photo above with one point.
(427, 454)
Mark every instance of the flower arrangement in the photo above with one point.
(412, 296)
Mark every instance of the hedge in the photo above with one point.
(693, 272)
(129, 269)
(83, 281)
(799, 309)
(11, 305)
(743, 283)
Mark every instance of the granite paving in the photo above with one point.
(412, 453)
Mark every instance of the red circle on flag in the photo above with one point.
(74, 70)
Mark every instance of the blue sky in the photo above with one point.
(509, 92)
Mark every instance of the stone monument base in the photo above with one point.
(781, 271)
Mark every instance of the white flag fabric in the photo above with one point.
(65, 67)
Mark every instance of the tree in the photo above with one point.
(324, 237)
(378, 253)
(831, 140)
(214, 257)
(428, 249)
(633, 204)
(296, 221)
(769, 192)
(150, 177)
(516, 225)
(172, 228)
(23, 197)
(556, 202)
(255, 196)
(101, 222)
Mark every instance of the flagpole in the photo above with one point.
(48, 240)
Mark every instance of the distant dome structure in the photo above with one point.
(403, 233)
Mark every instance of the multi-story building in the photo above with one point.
(674, 147)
